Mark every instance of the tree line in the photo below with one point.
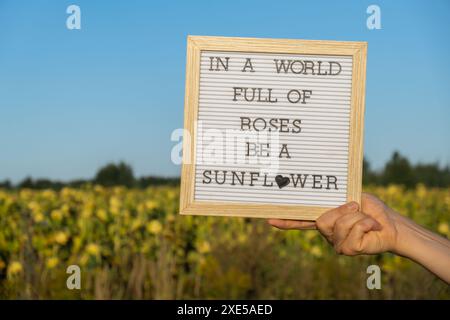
(112, 174)
(398, 170)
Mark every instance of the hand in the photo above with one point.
(353, 230)
(374, 228)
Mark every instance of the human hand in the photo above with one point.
(374, 228)
(352, 229)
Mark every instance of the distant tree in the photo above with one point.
(115, 175)
(29, 183)
(26, 183)
(369, 176)
(398, 170)
(47, 184)
(5, 184)
(432, 175)
(78, 183)
(145, 182)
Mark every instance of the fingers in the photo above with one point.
(344, 224)
(354, 243)
(327, 220)
(345, 227)
(292, 224)
(325, 223)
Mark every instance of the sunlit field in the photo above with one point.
(132, 243)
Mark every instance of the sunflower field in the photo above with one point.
(133, 244)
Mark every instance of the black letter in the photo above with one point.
(253, 149)
(234, 174)
(289, 96)
(299, 178)
(265, 182)
(247, 124)
(331, 67)
(224, 176)
(296, 123)
(284, 147)
(259, 119)
(332, 182)
(292, 65)
(235, 92)
(319, 73)
(283, 124)
(272, 124)
(206, 176)
(248, 64)
(253, 179)
(245, 94)
(261, 148)
(282, 65)
(310, 67)
(316, 181)
(306, 96)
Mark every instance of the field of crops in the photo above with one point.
(133, 244)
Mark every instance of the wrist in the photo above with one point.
(409, 238)
(423, 247)
(413, 241)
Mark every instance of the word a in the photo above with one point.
(374, 280)
(74, 280)
(74, 20)
(374, 20)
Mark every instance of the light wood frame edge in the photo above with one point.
(196, 44)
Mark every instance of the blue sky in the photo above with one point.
(73, 100)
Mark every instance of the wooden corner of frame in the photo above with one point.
(363, 48)
(185, 201)
(192, 40)
(183, 206)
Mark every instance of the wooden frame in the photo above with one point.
(196, 44)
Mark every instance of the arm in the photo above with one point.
(375, 228)
(424, 247)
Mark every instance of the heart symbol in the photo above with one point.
(282, 181)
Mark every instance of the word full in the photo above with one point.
(254, 94)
